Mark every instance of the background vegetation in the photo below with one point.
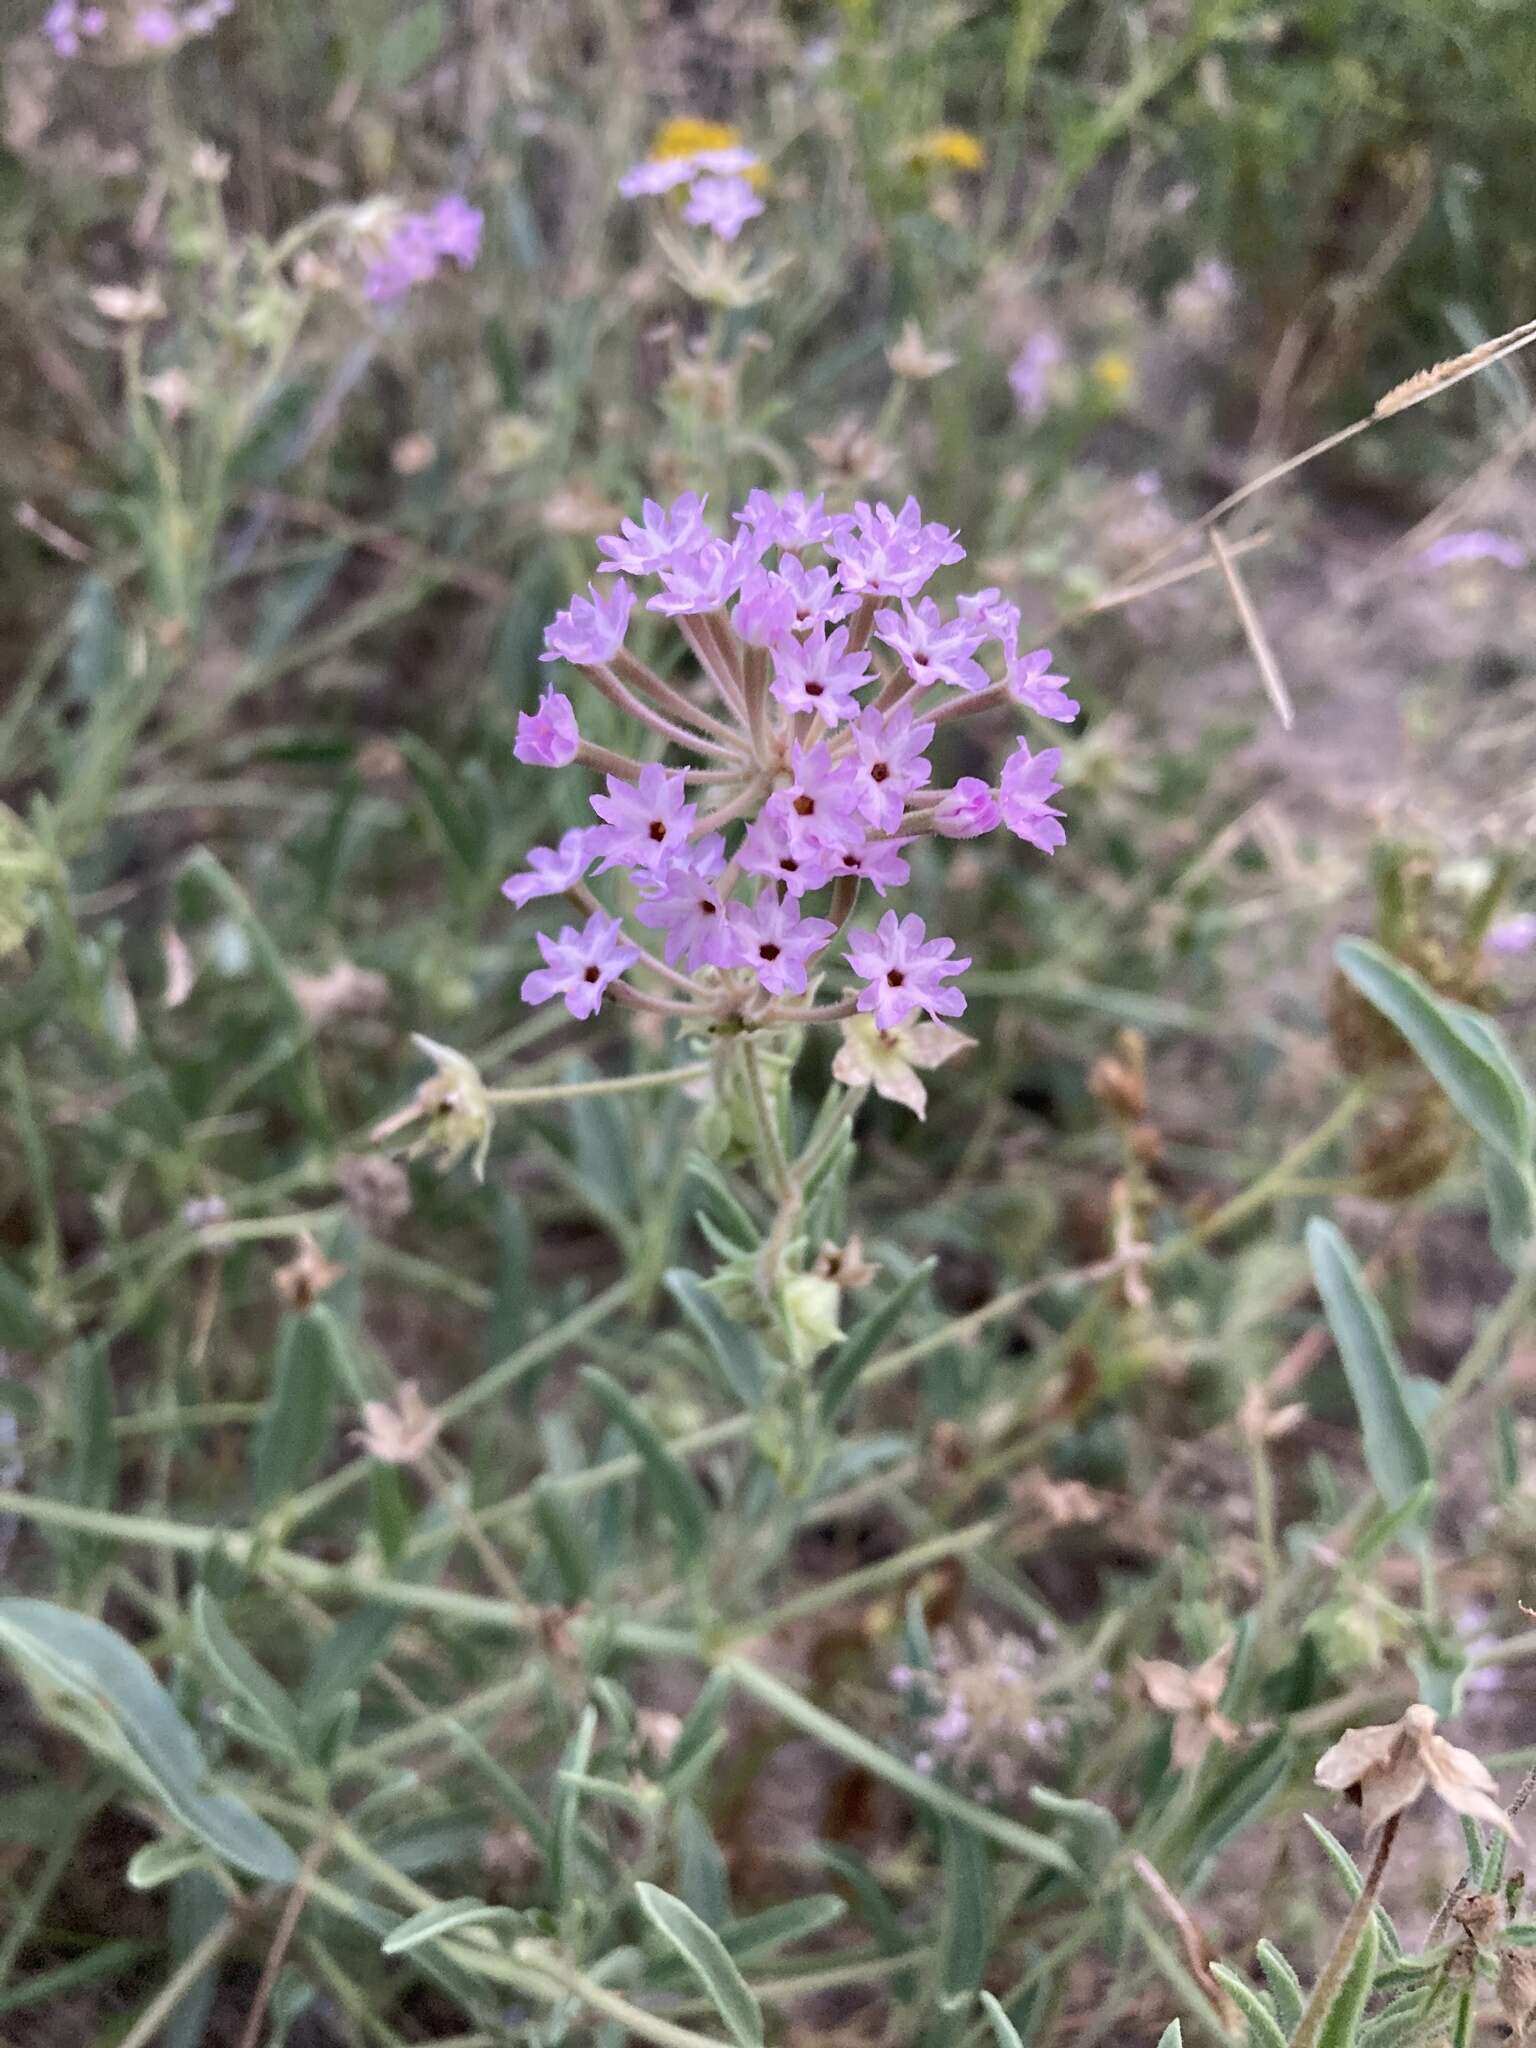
(276, 567)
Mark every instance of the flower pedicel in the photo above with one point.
(803, 768)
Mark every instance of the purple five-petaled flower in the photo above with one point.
(579, 965)
(820, 674)
(904, 970)
(683, 900)
(552, 869)
(660, 536)
(645, 823)
(775, 941)
(723, 205)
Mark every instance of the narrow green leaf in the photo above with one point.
(841, 1373)
(238, 1670)
(568, 1546)
(709, 1960)
(775, 1926)
(410, 44)
(1395, 1451)
(701, 1874)
(1344, 2015)
(94, 1472)
(676, 1491)
(572, 1769)
(1284, 1985)
(459, 824)
(161, 1861)
(197, 1905)
(967, 1917)
(123, 1706)
(296, 1429)
(1263, 2028)
(1511, 1206)
(701, 1724)
(1097, 1825)
(734, 1349)
(1465, 1052)
(23, 1326)
(448, 1917)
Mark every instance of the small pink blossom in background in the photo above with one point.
(579, 965)
(1031, 375)
(719, 199)
(1477, 545)
(552, 870)
(420, 243)
(156, 28)
(547, 738)
(1516, 934)
(68, 26)
(904, 970)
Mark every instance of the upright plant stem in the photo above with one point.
(1310, 2025)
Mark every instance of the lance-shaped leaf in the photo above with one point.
(709, 1960)
(1395, 1451)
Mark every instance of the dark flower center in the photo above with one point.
(805, 806)
(768, 952)
(814, 690)
(895, 977)
(592, 974)
(657, 829)
(880, 772)
(709, 907)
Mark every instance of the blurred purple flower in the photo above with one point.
(420, 242)
(1030, 375)
(723, 205)
(1476, 545)
(1516, 934)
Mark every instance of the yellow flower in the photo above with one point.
(1114, 373)
(686, 135)
(945, 149)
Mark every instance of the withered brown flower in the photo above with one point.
(1192, 1698)
(1386, 1768)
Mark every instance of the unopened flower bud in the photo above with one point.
(810, 1311)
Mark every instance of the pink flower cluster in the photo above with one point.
(69, 26)
(420, 242)
(823, 676)
(719, 196)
